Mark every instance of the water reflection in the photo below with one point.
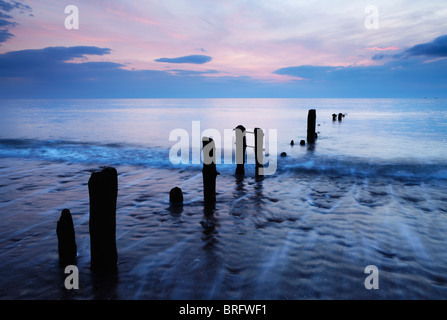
(104, 286)
(311, 148)
(209, 224)
(258, 187)
(175, 209)
(240, 190)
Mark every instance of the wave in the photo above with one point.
(83, 152)
(360, 167)
(158, 157)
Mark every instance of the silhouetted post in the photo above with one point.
(241, 147)
(209, 171)
(176, 195)
(259, 151)
(103, 192)
(311, 121)
(334, 116)
(66, 239)
(340, 116)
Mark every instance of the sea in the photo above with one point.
(369, 194)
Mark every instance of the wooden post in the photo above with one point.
(311, 121)
(334, 116)
(340, 116)
(241, 147)
(103, 192)
(176, 195)
(259, 151)
(209, 171)
(66, 239)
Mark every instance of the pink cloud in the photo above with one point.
(392, 48)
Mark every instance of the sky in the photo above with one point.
(223, 49)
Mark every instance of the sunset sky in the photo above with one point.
(203, 48)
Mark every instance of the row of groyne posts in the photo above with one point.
(103, 193)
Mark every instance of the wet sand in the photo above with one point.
(288, 236)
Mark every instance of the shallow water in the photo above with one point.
(298, 237)
(307, 232)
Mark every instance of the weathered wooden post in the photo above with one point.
(334, 116)
(176, 195)
(259, 151)
(311, 121)
(176, 201)
(241, 147)
(209, 171)
(66, 239)
(340, 116)
(103, 192)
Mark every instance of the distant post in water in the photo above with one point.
(241, 147)
(103, 192)
(334, 116)
(340, 116)
(176, 195)
(209, 171)
(259, 151)
(311, 121)
(66, 239)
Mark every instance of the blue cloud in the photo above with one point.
(51, 54)
(12, 4)
(435, 48)
(195, 58)
(5, 35)
(404, 74)
(42, 62)
(378, 56)
(396, 78)
(6, 25)
(5, 16)
(47, 73)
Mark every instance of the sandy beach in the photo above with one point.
(288, 237)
